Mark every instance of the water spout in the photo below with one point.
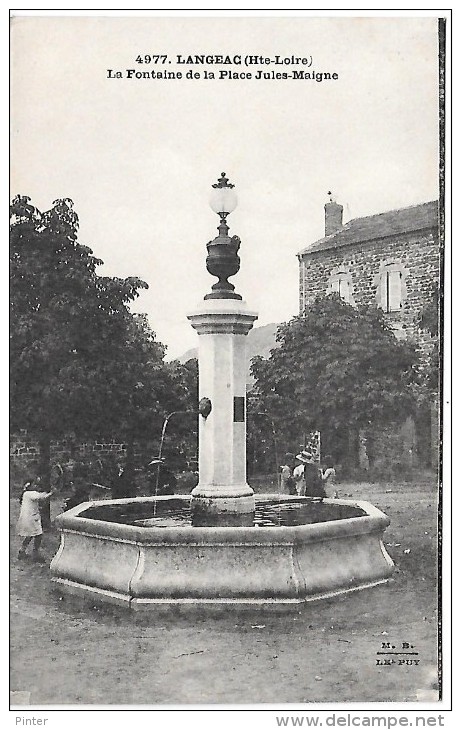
(160, 451)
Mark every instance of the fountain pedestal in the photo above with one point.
(222, 496)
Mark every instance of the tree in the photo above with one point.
(68, 326)
(429, 321)
(81, 362)
(147, 390)
(181, 444)
(338, 369)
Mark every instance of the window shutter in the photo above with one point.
(343, 288)
(383, 289)
(394, 279)
(335, 286)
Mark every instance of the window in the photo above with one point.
(342, 287)
(391, 290)
(341, 283)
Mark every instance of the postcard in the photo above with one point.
(229, 267)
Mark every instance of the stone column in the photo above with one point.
(222, 496)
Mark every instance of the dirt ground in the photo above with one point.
(67, 652)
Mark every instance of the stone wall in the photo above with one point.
(25, 450)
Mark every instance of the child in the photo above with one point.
(329, 478)
(287, 482)
(29, 524)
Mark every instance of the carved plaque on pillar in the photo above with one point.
(239, 409)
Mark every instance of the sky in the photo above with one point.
(138, 156)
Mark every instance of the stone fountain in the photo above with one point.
(220, 546)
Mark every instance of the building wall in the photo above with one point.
(417, 253)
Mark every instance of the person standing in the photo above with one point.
(329, 478)
(29, 525)
(299, 475)
(308, 477)
(287, 482)
(313, 477)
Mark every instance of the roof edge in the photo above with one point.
(328, 241)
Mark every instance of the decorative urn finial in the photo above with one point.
(223, 260)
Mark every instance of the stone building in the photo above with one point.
(390, 259)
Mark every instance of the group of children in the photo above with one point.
(302, 476)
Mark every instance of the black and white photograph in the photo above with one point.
(229, 281)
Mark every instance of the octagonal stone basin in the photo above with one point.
(145, 553)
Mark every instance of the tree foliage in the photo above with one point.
(81, 362)
(338, 369)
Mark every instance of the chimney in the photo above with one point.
(333, 216)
